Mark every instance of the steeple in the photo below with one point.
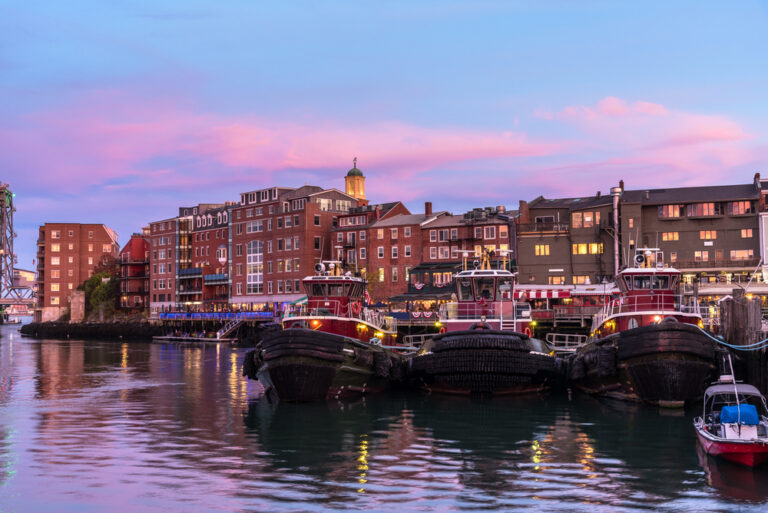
(355, 182)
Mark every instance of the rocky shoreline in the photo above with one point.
(87, 331)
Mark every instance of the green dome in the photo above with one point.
(355, 172)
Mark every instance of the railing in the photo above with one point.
(218, 278)
(543, 227)
(575, 311)
(214, 316)
(492, 310)
(191, 271)
(715, 262)
(565, 342)
(336, 308)
(662, 303)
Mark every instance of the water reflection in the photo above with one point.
(165, 428)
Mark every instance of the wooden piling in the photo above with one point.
(741, 325)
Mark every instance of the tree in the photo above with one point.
(102, 294)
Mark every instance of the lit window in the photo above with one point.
(707, 234)
(381, 274)
(746, 233)
(539, 249)
(557, 280)
(668, 236)
(54, 287)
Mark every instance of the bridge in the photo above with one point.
(11, 293)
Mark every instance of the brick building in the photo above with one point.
(207, 281)
(278, 235)
(67, 254)
(134, 272)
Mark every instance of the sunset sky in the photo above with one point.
(119, 112)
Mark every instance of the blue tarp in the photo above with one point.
(730, 415)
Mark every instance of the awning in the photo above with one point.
(300, 301)
(595, 290)
(541, 292)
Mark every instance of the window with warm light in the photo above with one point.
(541, 250)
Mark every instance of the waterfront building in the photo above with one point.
(206, 283)
(278, 235)
(134, 273)
(395, 247)
(170, 254)
(566, 241)
(67, 254)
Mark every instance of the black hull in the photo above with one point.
(303, 365)
(667, 364)
(483, 362)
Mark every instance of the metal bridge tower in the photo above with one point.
(9, 293)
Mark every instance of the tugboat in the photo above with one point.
(646, 345)
(484, 346)
(733, 424)
(330, 348)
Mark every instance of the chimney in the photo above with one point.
(501, 208)
(524, 213)
(378, 211)
(427, 208)
(757, 180)
(647, 195)
(621, 185)
(598, 194)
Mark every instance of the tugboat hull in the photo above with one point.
(666, 364)
(483, 362)
(304, 365)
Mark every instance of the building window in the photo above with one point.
(70, 259)
(90, 235)
(707, 234)
(454, 233)
(317, 220)
(362, 253)
(239, 285)
(673, 256)
(239, 269)
(407, 231)
(583, 248)
(55, 300)
(407, 251)
(279, 244)
(667, 236)
(454, 252)
(557, 280)
(585, 219)
(269, 287)
(380, 233)
(90, 248)
(106, 248)
(737, 208)
(741, 254)
(631, 222)
(56, 234)
(362, 235)
(394, 274)
(746, 233)
(444, 252)
(539, 250)
(288, 265)
(71, 246)
(255, 267)
(381, 274)
(380, 251)
(55, 248)
(703, 209)
(489, 232)
(295, 242)
(393, 233)
(54, 287)
(433, 252)
(670, 211)
(288, 221)
(394, 251)
(55, 273)
(581, 280)
(701, 256)
(503, 231)
(279, 286)
(432, 235)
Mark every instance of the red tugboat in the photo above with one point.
(733, 424)
(646, 345)
(484, 346)
(330, 348)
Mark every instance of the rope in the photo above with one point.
(751, 347)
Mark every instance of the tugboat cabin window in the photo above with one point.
(661, 282)
(335, 290)
(465, 289)
(484, 289)
(642, 282)
(317, 289)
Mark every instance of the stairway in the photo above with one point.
(228, 328)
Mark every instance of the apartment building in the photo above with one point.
(67, 254)
(279, 234)
(134, 272)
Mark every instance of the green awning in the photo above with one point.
(300, 301)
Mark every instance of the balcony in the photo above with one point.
(747, 263)
(543, 228)
(216, 279)
(191, 272)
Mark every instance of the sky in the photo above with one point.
(120, 112)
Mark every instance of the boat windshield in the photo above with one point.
(335, 289)
(642, 282)
(505, 289)
(484, 289)
(464, 288)
(316, 289)
(661, 282)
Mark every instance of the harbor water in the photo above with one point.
(141, 427)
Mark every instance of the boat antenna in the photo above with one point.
(736, 392)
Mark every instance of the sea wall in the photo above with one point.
(85, 331)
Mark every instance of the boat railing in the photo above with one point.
(565, 342)
(491, 310)
(335, 308)
(663, 304)
(214, 316)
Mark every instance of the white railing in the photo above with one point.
(336, 308)
(658, 303)
(565, 342)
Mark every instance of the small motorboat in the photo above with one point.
(734, 425)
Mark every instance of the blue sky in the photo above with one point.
(119, 112)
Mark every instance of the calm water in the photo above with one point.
(103, 426)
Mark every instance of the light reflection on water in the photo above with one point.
(104, 426)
